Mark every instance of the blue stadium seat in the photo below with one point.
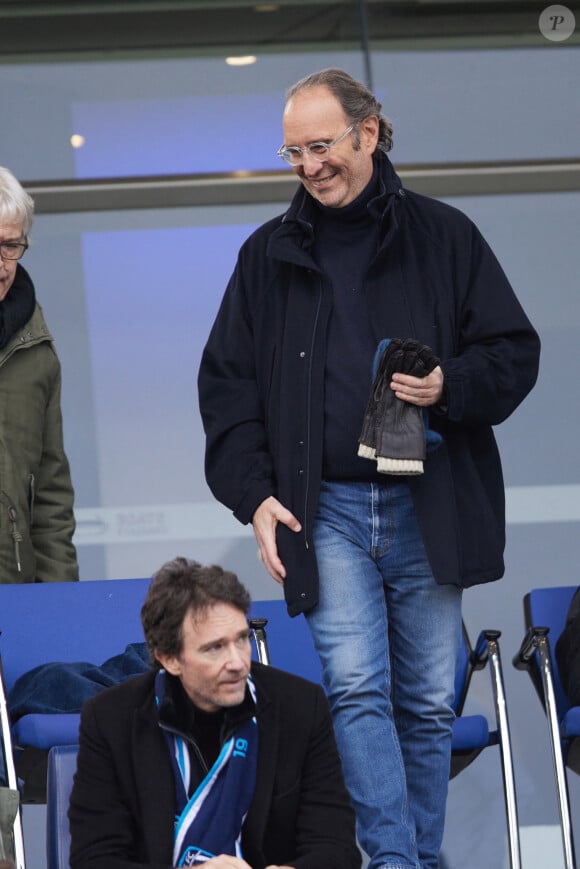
(64, 622)
(62, 763)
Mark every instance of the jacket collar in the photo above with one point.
(17, 307)
(35, 331)
(292, 241)
(177, 713)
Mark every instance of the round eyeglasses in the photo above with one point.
(294, 156)
(12, 249)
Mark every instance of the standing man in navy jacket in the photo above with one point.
(377, 562)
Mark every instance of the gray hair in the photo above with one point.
(356, 100)
(16, 206)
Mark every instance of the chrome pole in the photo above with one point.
(11, 778)
(507, 766)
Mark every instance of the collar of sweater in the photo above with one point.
(180, 715)
(18, 306)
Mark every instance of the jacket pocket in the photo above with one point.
(31, 497)
(17, 562)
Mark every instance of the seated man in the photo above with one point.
(210, 758)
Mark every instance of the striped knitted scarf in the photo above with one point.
(210, 822)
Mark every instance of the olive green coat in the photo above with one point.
(36, 494)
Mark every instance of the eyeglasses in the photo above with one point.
(318, 150)
(12, 249)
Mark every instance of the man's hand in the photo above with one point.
(422, 391)
(265, 520)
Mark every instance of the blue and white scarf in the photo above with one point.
(210, 821)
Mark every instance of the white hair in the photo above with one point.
(16, 206)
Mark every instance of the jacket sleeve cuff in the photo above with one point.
(452, 402)
(245, 510)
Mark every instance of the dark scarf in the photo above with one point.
(18, 306)
(210, 821)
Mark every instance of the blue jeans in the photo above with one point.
(388, 638)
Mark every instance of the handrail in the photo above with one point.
(245, 187)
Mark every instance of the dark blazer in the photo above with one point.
(122, 804)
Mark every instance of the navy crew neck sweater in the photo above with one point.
(346, 242)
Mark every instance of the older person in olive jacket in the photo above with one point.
(36, 494)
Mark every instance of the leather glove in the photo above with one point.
(381, 379)
(393, 429)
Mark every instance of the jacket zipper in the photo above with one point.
(16, 535)
(309, 412)
(189, 741)
(32, 494)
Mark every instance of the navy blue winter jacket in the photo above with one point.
(261, 380)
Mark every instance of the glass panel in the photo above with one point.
(150, 117)
(535, 238)
(130, 298)
(465, 106)
(144, 117)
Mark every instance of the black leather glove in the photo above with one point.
(368, 436)
(417, 359)
(393, 429)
